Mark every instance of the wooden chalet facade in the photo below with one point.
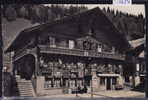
(69, 52)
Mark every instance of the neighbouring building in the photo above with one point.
(140, 69)
(84, 49)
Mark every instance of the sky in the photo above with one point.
(130, 9)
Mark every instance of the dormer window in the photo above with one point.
(71, 44)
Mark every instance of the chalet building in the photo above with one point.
(80, 50)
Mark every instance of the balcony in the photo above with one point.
(78, 52)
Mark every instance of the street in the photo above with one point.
(103, 94)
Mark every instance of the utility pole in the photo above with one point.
(146, 48)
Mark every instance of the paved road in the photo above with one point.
(104, 94)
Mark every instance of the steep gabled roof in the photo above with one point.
(95, 19)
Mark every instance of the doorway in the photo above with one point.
(108, 86)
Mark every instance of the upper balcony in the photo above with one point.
(78, 52)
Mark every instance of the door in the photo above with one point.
(108, 85)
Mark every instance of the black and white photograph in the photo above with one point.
(73, 50)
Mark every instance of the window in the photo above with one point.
(47, 84)
(72, 83)
(137, 67)
(99, 48)
(113, 50)
(71, 44)
(52, 41)
(57, 84)
(58, 74)
(79, 83)
(67, 83)
(87, 45)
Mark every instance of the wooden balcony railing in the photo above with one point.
(67, 51)
(78, 52)
(56, 50)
